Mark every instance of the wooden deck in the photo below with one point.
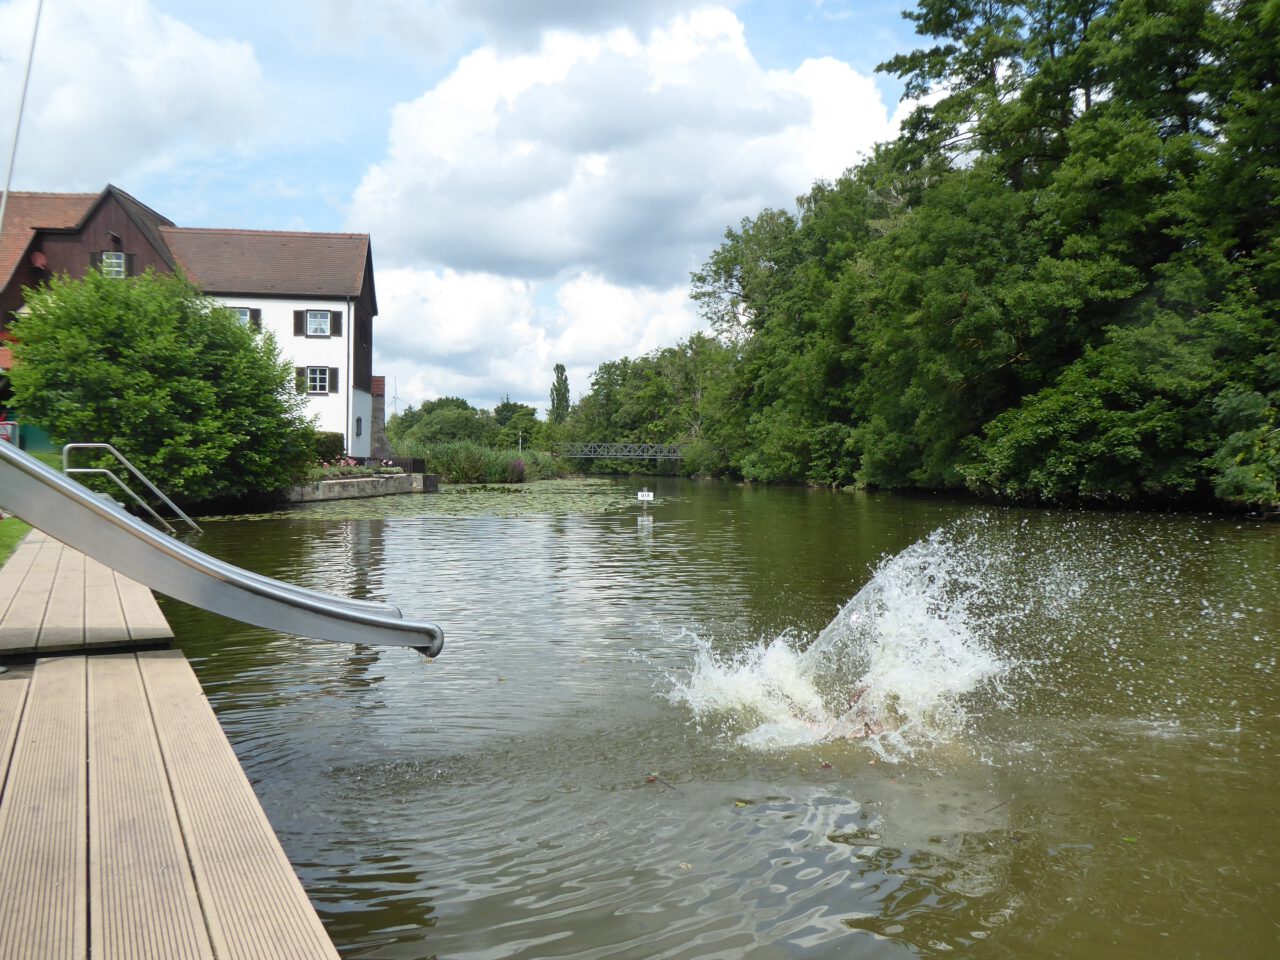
(127, 827)
(53, 598)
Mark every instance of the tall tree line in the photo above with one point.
(1061, 281)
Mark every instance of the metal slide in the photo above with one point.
(101, 529)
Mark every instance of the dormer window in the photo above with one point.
(113, 264)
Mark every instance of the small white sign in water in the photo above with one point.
(645, 496)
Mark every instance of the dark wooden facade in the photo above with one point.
(109, 225)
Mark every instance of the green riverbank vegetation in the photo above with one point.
(1060, 283)
(12, 530)
(464, 444)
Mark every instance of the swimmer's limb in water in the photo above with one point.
(858, 722)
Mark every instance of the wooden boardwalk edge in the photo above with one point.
(254, 903)
(54, 599)
(128, 829)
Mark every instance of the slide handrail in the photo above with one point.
(102, 529)
(120, 457)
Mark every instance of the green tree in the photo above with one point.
(508, 408)
(205, 407)
(1061, 281)
(559, 409)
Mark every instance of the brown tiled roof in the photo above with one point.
(270, 262)
(26, 212)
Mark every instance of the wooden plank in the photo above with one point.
(43, 821)
(16, 567)
(21, 625)
(141, 612)
(255, 907)
(143, 895)
(63, 625)
(105, 623)
(13, 694)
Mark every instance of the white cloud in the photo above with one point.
(119, 90)
(482, 337)
(546, 205)
(433, 27)
(609, 153)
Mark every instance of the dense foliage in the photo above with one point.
(463, 444)
(1062, 280)
(452, 419)
(201, 404)
(466, 462)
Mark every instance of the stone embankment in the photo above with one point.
(349, 488)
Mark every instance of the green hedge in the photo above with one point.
(330, 445)
(464, 462)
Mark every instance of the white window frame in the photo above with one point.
(318, 380)
(243, 314)
(114, 263)
(319, 323)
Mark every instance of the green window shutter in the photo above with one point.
(335, 323)
(333, 379)
(95, 259)
(299, 323)
(255, 318)
(130, 264)
(300, 379)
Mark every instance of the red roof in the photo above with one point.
(219, 262)
(270, 261)
(26, 212)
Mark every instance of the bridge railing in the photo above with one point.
(621, 451)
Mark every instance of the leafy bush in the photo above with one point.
(330, 445)
(346, 467)
(202, 405)
(473, 463)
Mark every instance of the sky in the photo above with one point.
(538, 177)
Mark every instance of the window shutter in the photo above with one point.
(300, 379)
(333, 379)
(129, 264)
(335, 323)
(255, 318)
(299, 323)
(95, 259)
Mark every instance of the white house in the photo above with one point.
(313, 291)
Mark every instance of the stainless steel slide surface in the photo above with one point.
(103, 530)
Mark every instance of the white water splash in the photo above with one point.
(909, 648)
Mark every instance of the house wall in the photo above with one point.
(362, 408)
(336, 411)
(362, 344)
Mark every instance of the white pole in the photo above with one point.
(22, 100)
(17, 127)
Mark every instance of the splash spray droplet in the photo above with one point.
(915, 637)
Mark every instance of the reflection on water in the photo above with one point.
(1087, 705)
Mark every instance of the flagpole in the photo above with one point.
(17, 127)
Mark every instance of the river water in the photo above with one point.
(636, 742)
